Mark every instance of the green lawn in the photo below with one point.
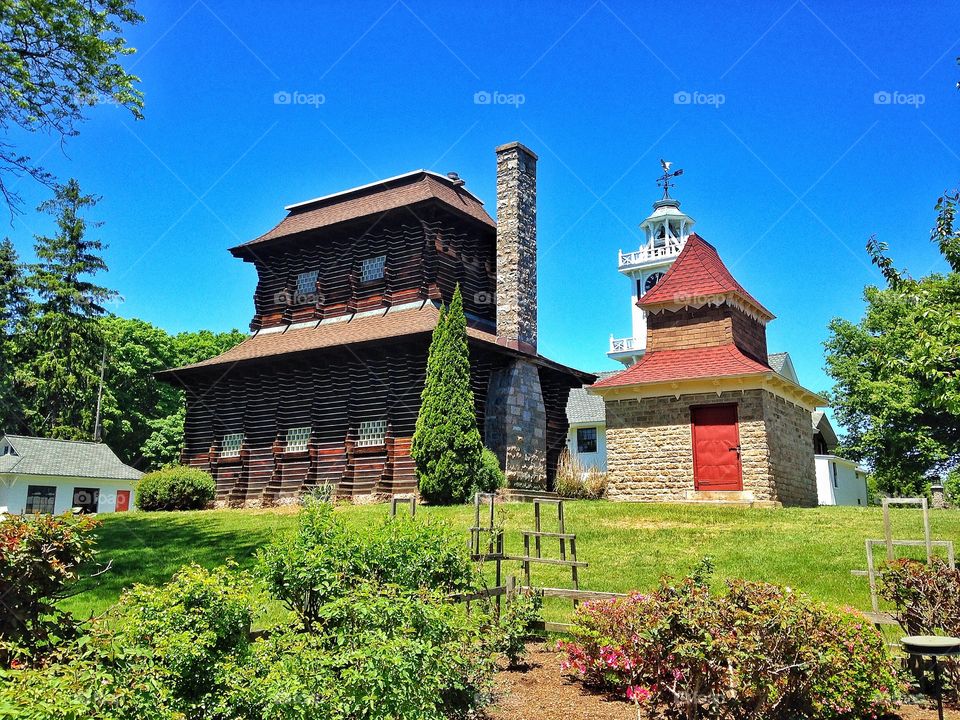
(627, 545)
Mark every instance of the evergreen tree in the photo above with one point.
(59, 356)
(13, 304)
(446, 444)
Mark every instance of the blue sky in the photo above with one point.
(791, 159)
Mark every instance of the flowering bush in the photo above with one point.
(758, 651)
(40, 559)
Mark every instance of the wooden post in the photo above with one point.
(536, 526)
(574, 571)
(872, 576)
(887, 529)
(499, 573)
(526, 561)
(563, 542)
(926, 530)
(511, 587)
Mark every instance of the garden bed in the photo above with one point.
(540, 690)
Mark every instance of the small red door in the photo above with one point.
(123, 500)
(716, 448)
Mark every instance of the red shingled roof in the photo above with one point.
(373, 199)
(688, 364)
(697, 273)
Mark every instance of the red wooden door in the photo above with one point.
(716, 448)
(123, 500)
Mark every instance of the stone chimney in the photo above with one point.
(517, 246)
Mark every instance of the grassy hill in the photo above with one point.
(627, 545)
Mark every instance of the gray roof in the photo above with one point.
(777, 361)
(584, 407)
(821, 424)
(69, 458)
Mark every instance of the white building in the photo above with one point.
(40, 475)
(665, 233)
(839, 481)
(587, 435)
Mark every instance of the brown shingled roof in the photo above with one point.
(379, 197)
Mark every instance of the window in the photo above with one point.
(834, 466)
(586, 440)
(40, 499)
(231, 445)
(372, 268)
(307, 286)
(372, 432)
(87, 499)
(297, 438)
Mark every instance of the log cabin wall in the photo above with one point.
(427, 252)
(332, 393)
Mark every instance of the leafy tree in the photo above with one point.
(446, 443)
(897, 371)
(61, 348)
(13, 304)
(58, 57)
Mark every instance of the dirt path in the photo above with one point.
(540, 691)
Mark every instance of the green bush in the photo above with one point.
(322, 560)
(189, 625)
(40, 559)
(382, 654)
(757, 651)
(491, 477)
(513, 628)
(175, 488)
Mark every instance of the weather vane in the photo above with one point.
(664, 181)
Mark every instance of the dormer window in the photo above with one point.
(372, 268)
(307, 286)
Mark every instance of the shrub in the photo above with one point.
(926, 599)
(175, 488)
(513, 628)
(491, 477)
(575, 482)
(322, 560)
(381, 654)
(40, 559)
(759, 651)
(189, 625)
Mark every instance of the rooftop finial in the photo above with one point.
(664, 181)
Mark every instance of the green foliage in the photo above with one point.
(446, 447)
(190, 625)
(13, 305)
(758, 651)
(490, 477)
(323, 559)
(896, 384)
(40, 559)
(951, 486)
(381, 654)
(513, 628)
(175, 488)
(56, 58)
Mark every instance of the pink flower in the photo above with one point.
(637, 694)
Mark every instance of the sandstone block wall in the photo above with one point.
(650, 447)
(515, 424)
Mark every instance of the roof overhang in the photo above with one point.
(770, 381)
(735, 300)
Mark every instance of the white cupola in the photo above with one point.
(665, 232)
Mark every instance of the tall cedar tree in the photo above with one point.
(61, 347)
(897, 372)
(446, 444)
(13, 304)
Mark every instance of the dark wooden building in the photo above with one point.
(327, 387)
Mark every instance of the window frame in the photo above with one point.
(297, 439)
(582, 440)
(29, 508)
(227, 438)
(379, 263)
(302, 297)
(366, 438)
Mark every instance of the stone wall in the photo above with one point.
(515, 424)
(650, 447)
(517, 245)
(791, 451)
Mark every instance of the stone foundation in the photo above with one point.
(650, 447)
(516, 424)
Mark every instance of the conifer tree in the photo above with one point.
(13, 304)
(446, 444)
(61, 346)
